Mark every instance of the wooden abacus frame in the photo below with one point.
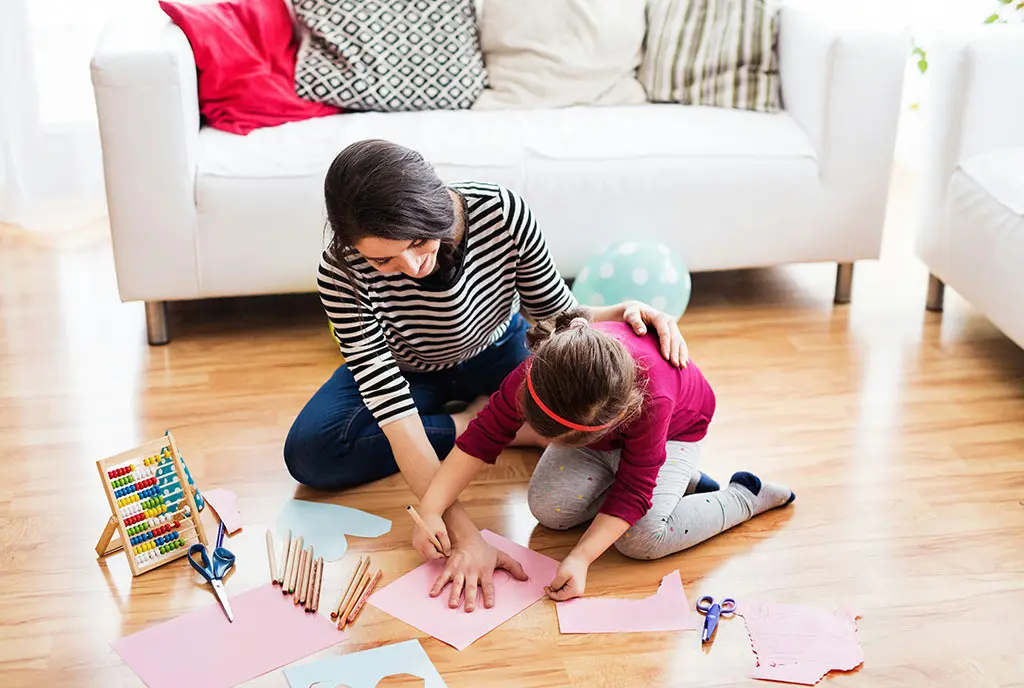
(107, 543)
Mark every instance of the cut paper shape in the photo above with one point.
(269, 632)
(408, 598)
(225, 503)
(798, 644)
(366, 669)
(325, 525)
(665, 610)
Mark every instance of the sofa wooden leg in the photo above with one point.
(844, 282)
(156, 322)
(936, 293)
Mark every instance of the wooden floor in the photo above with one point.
(901, 431)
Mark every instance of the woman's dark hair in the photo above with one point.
(582, 375)
(380, 189)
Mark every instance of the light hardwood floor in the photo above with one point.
(901, 431)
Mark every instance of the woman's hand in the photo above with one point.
(640, 316)
(421, 539)
(570, 579)
(471, 564)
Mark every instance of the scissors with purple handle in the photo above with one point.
(711, 611)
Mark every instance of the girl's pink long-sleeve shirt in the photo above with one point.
(679, 405)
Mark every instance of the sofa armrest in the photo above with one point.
(144, 80)
(972, 104)
(842, 81)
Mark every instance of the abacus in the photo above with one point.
(152, 505)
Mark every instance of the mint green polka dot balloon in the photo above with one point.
(646, 271)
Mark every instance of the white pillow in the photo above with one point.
(559, 53)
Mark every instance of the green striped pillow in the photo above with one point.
(712, 52)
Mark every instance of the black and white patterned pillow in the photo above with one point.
(390, 55)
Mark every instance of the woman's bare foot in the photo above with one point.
(462, 419)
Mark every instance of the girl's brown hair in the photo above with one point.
(582, 375)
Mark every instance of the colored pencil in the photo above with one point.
(270, 556)
(293, 575)
(411, 510)
(300, 580)
(364, 579)
(353, 579)
(284, 557)
(307, 579)
(314, 585)
(365, 596)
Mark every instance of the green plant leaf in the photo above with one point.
(918, 51)
(992, 19)
(922, 65)
(1020, 6)
(1006, 2)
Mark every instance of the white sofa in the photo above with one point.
(971, 231)
(199, 213)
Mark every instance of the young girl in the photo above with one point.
(624, 427)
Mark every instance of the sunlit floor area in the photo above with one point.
(901, 432)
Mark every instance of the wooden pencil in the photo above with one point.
(357, 571)
(319, 587)
(293, 574)
(314, 584)
(300, 580)
(365, 596)
(270, 556)
(286, 574)
(363, 582)
(307, 578)
(411, 510)
(284, 557)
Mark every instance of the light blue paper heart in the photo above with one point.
(366, 669)
(325, 526)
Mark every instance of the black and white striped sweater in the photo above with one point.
(401, 323)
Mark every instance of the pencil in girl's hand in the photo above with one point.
(343, 600)
(419, 521)
(362, 598)
(270, 556)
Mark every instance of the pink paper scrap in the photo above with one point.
(225, 503)
(799, 644)
(408, 598)
(204, 650)
(665, 610)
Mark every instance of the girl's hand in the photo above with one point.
(673, 346)
(570, 579)
(472, 563)
(421, 538)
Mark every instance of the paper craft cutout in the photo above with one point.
(408, 598)
(325, 525)
(269, 632)
(366, 669)
(665, 610)
(225, 503)
(798, 644)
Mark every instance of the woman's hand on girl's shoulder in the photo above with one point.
(640, 316)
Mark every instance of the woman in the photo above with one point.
(423, 283)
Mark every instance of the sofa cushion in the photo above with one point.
(713, 52)
(392, 57)
(540, 53)
(1001, 174)
(245, 61)
(681, 174)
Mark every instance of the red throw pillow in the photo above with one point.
(245, 53)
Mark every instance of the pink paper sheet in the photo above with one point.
(798, 644)
(408, 598)
(203, 649)
(225, 503)
(665, 610)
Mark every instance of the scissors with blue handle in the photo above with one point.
(223, 560)
(711, 611)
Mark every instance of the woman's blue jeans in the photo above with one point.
(335, 442)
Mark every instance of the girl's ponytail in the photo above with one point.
(542, 331)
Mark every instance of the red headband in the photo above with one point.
(554, 416)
